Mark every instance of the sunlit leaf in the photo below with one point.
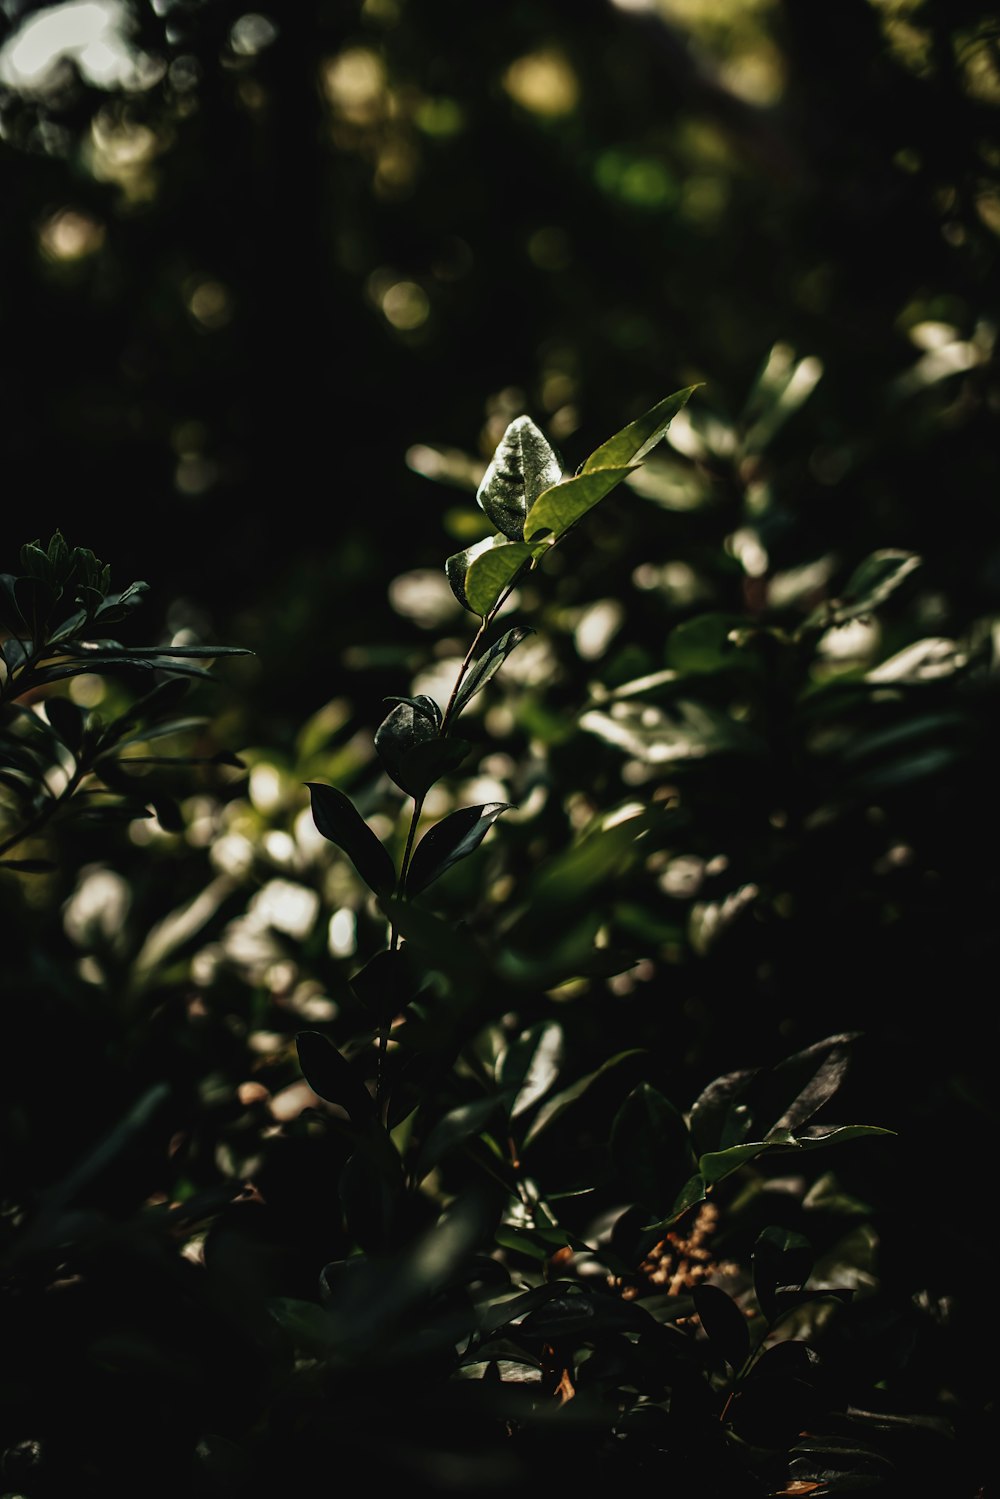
(492, 572)
(453, 838)
(566, 503)
(633, 442)
(716, 1165)
(868, 587)
(331, 1076)
(488, 664)
(338, 819)
(523, 466)
(457, 567)
(530, 1065)
(818, 1136)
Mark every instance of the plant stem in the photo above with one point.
(485, 623)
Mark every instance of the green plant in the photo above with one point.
(65, 760)
(468, 1228)
(517, 1285)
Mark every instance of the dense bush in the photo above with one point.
(271, 274)
(473, 1233)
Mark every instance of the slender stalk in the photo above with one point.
(383, 1035)
(485, 623)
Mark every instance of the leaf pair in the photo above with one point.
(455, 837)
(532, 505)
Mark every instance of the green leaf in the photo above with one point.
(422, 705)
(453, 838)
(10, 614)
(372, 1191)
(716, 1165)
(564, 504)
(651, 1148)
(67, 720)
(717, 1119)
(457, 567)
(386, 984)
(808, 1080)
(868, 587)
(428, 762)
(28, 866)
(456, 1126)
(338, 819)
(332, 1076)
(492, 573)
(488, 664)
(724, 1324)
(411, 748)
(443, 947)
(555, 1107)
(633, 442)
(818, 1136)
(782, 1260)
(523, 467)
(530, 1065)
(693, 1191)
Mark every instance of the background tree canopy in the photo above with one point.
(275, 284)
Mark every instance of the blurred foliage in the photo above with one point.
(263, 269)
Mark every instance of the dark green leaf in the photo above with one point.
(442, 947)
(716, 1165)
(651, 1149)
(456, 1126)
(372, 1191)
(453, 838)
(530, 1065)
(422, 705)
(67, 720)
(563, 505)
(633, 442)
(332, 1076)
(555, 1107)
(168, 814)
(386, 984)
(488, 664)
(808, 1080)
(724, 1324)
(817, 1136)
(28, 866)
(717, 1120)
(427, 762)
(492, 573)
(782, 1260)
(523, 467)
(10, 614)
(338, 819)
(410, 746)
